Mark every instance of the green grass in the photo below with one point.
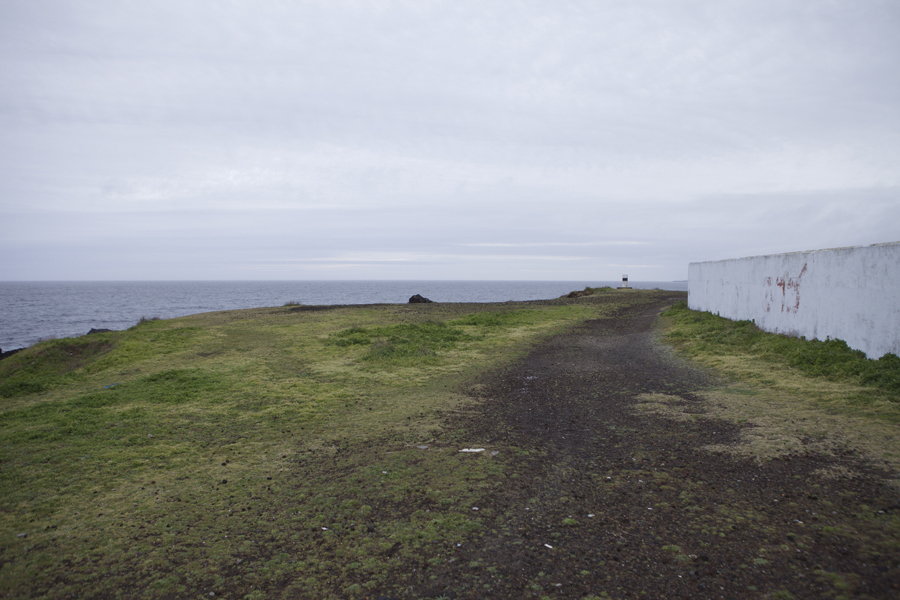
(790, 395)
(404, 345)
(833, 359)
(265, 453)
(424, 343)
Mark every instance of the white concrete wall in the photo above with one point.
(852, 294)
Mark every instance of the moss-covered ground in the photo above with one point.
(236, 453)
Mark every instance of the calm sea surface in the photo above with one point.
(30, 311)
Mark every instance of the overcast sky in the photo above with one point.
(462, 139)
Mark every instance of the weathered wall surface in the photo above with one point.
(852, 294)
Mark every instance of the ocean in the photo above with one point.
(32, 311)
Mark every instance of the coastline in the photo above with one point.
(44, 310)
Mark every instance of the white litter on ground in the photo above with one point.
(472, 450)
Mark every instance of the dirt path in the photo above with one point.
(612, 502)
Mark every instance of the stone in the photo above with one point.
(417, 299)
(9, 353)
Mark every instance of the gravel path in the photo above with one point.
(615, 503)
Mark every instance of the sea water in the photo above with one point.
(31, 311)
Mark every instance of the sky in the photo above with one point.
(432, 140)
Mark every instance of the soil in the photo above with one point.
(617, 503)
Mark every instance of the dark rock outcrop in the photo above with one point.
(417, 299)
(98, 331)
(9, 353)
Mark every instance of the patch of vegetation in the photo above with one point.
(424, 343)
(405, 344)
(245, 453)
(494, 319)
(54, 362)
(21, 387)
(705, 333)
(353, 336)
(588, 291)
(797, 396)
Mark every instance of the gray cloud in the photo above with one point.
(194, 140)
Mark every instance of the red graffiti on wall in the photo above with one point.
(790, 292)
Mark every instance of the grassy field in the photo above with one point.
(309, 452)
(293, 449)
(797, 395)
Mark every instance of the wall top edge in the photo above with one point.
(700, 262)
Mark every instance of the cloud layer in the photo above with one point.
(441, 140)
